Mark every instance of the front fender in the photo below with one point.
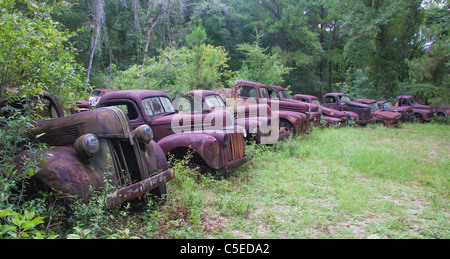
(297, 119)
(206, 146)
(155, 158)
(65, 171)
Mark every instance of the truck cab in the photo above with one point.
(330, 116)
(256, 119)
(341, 102)
(211, 139)
(291, 114)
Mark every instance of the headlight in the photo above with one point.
(144, 134)
(87, 145)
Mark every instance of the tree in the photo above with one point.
(33, 54)
(259, 66)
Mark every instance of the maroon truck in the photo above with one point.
(388, 118)
(311, 109)
(406, 112)
(422, 113)
(91, 147)
(341, 102)
(330, 116)
(291, 117)
(256, 119)
(211, 139)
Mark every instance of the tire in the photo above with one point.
(286, 127)
(418, 118)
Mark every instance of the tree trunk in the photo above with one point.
(98, 19)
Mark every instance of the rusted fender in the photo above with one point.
(205, 145)
(64, 170)
(136, 190)
(298, 120)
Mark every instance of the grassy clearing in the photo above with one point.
(371, 182)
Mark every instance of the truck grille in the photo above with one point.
(237, 146)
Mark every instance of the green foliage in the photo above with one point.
(33, 54)
(19, 226)
(261, 67)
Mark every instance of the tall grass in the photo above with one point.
(371, 182)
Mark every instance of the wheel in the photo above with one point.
(286, 127)
(418, 118)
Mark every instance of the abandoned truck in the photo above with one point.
(422, 113)
(212, 139)
(256, 119)
(330, 116)
(291, 117)
(341, 102)
(406, 112)
(388, 118)
(311, 109)
(90, 148)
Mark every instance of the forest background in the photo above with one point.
(367, 48)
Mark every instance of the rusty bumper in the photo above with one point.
(136, 190)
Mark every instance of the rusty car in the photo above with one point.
(212, 140)
(341, 102)
(292, 119)
(406, 111)
(91, 150)
(311, 109)
(387, 118)
(256, 119)
(422, 113)
(330, 116)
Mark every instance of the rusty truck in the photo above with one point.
(341, 102)
(88, 150)
(292, 116)
(212, 140)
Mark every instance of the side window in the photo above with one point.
(330, 99)
(248, 91)
(128, 108)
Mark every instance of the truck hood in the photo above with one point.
(421, 107)
(400, 109)
(333, 113)
(357, 104)
(386, 115)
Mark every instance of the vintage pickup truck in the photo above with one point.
(406, 112)
(292, 118)
(330, 116)
(256, 119)
(212, 139)
(388, 118)
(341, 102)
(311, 109)
(90, 148)
(422, 113)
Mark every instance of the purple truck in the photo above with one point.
(211, 139)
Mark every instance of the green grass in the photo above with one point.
(371, 182)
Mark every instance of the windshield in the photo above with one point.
(264, 92)
(96, 93)
(344, 98)
(214, 101)
(373, 106)
(157, 105)
(283, 95)
(316, 102)
(387, 105)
